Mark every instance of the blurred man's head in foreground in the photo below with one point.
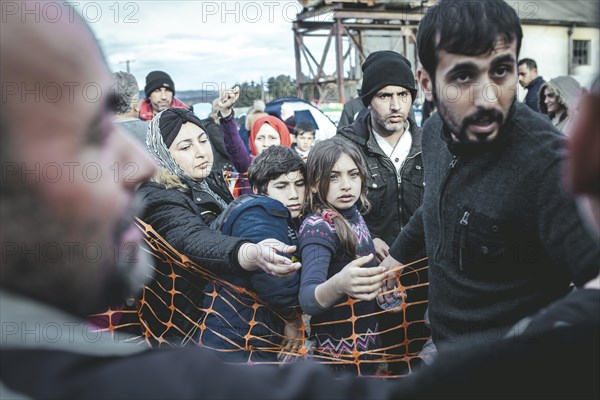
(68, 174)
(584, 145)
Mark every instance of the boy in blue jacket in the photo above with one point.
(250, 318)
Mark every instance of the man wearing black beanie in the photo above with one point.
(160, 95)
(390, 142)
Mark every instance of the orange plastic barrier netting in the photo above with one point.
(236, 181)
(166, 315)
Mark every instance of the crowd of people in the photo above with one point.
(310, 229)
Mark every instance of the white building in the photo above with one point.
(563, 37)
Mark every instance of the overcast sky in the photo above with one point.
(205, 44)
(199, 43)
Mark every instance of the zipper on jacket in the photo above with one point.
(442, 188)
(387, 162)
(452, 163)
(464, 222)
(400, 188)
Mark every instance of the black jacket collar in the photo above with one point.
(360, 130)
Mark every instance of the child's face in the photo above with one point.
(344, 184)
(288, 189)
(266, 137)
(305, 140)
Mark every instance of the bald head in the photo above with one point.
(48, 64)
(64, 185)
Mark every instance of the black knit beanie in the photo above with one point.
(171, 121)
(158, 79)
(383, 68)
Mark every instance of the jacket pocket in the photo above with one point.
(482, 246)
(376, 193)
(413, 186)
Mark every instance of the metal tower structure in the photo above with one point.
(354, 28)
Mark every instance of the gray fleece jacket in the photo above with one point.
(503, 237)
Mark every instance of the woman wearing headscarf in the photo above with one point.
(265, 132)
(180, 204)
(558, 100)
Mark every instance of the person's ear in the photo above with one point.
(426, 83)
(135, 105)
(254, 190)
(313, 190)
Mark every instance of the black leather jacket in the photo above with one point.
(393, 200)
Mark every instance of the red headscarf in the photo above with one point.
(276, 124)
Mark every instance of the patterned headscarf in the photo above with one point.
(162, 131)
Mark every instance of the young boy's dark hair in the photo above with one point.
(303, 127)
(469, 27)
(272, 163)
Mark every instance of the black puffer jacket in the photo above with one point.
(182, 216)
(392, 204)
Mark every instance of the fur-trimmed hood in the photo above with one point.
(215, 185)
(169, 180)
(567, 89)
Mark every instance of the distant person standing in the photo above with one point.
(255, 112)
(351, 110)
(266, 131)
(390, 141)
(305, 138)
(127, 98)
(529, 79)
(160, 95)
(558, 99)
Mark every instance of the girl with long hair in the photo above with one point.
(338, 260)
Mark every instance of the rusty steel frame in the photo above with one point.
(347, 23)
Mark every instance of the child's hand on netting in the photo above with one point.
(264, 255)
(360, 283)
(391, 297)
(381, 249)
(292, 340)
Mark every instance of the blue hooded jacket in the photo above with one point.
(231, 315)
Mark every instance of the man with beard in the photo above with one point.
(390, 142)
(68, 183)
(160, 95)
(554, 353)
(530, 80)
(502, 237)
